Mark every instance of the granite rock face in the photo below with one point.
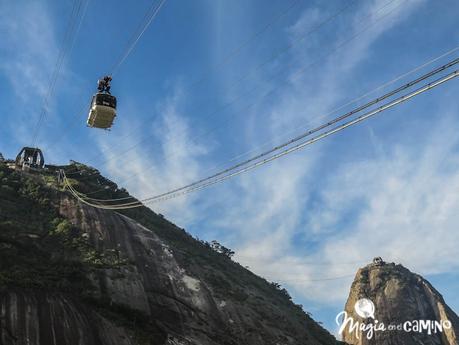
(400, 297)
(71, 274)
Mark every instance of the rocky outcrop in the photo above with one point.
(40, 317)
(405, 305)
(71, 274)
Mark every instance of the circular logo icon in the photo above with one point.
(365, 308)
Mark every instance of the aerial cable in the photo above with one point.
(116, 199)
(85, 7)
(252, 150)
(76, 17)
(96, 205)
(211, 180)
(85, 196)
(242, 167)
(392, 81)
(194, 187)
(271, 78)
(321, 127)
(80, 22)
(82, 198)
(233, 53)
(358, 109)
(313, 140)
(151, 15)
(362, 96)
(56, 68)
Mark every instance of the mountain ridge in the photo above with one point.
(127, 277)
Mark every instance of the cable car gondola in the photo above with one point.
(102, 111)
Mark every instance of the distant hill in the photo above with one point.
(400, 298)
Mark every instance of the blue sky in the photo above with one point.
(198, 94)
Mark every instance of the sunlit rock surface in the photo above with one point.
(399, 296)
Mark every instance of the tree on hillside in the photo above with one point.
(219, 248)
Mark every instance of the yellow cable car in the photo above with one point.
(102, 112)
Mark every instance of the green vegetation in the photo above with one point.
(219, 248)
(58, 255)
(41, 250)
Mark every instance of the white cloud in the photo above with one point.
(408, 209)
(412, 203)
(267, 209)
(270, 213)
(404, 205)
(172, 161)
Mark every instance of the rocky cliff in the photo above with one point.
(406, 305)
(72, 274)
